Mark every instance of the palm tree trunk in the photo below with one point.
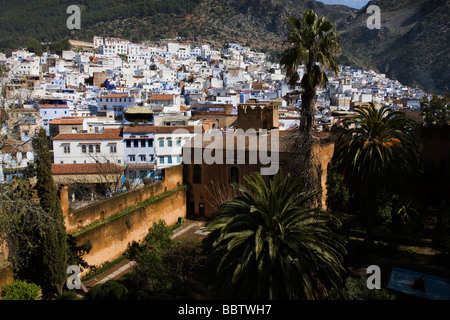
(309, 167)
(309, 98)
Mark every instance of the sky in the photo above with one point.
(357, 4)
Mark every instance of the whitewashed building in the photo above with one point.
(75, 148)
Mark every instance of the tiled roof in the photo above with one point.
(107, 134)
(143, 129)
(162, 97)
(86, 168)
(14, 147)
(67, 121)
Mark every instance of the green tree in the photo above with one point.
(33, 45)
(54, 255)
(22, 222)
(378, 156)
(159, 235)
(110, 290)
(436, 111)
(313, 43)
(267, 244)
(20, 290)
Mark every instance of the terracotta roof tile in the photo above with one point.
(143, 129)
(162, 97)
(107, 134)
(86, 168)
(67, 121)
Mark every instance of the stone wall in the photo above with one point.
(6, 273)
(111, 239)
(215, 180)
(112, 224)
(79, 219)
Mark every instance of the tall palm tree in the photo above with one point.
(377, 156)
(313, 43)
(266, 244)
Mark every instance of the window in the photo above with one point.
(169, 142)
(234, 175)
(161, 142)
(97, 148)
(132, 157)
(169, 159)
(150, 143)
(67, 149)
(197, 178)
(178, 142)
(113, 148)
(136, 143)
(161, 160)
(143, 143)
(91, 148)
(142, 157)
(128, 142)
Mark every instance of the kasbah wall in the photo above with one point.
(111, 239)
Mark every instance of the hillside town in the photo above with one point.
(119, 103)
(170, 170)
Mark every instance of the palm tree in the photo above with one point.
(266, 244)
(377, 156)
(313, 42)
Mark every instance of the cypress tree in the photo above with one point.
(53, 263)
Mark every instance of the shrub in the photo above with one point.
(110, 290)
(159, 235)
(356, 289)
(20, 290)
(68, 295)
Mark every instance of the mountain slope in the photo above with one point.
(411, 46)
